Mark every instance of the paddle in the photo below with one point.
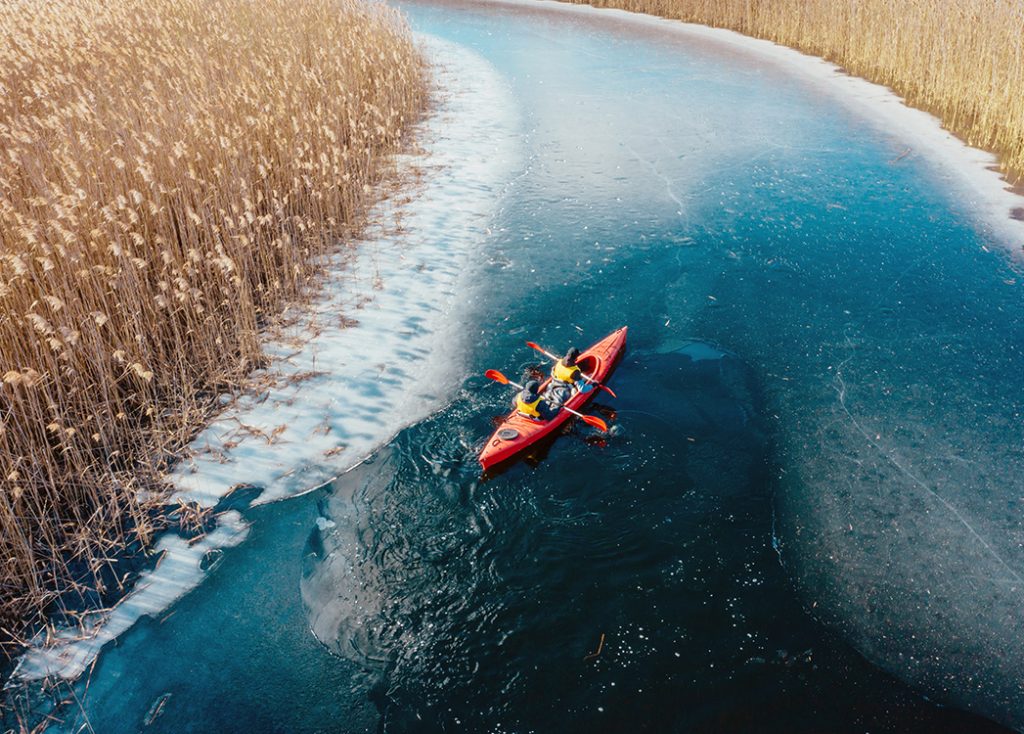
(549, 355)
(590, 420)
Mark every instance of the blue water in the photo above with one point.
(807, 517)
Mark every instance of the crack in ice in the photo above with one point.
(841, 391)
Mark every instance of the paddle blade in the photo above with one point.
(596, 422)
(609, 391)
(496, 376)
(542, 350)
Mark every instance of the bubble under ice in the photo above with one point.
(906, 530)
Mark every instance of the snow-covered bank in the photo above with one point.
(380, 350)
(179, 571)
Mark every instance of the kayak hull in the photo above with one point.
(517, 433)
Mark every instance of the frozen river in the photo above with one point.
(809, 516)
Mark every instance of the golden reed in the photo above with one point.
(962, 61)
(169, 172)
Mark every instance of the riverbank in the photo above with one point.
(962, 63)
(175, 176)
(388, 315)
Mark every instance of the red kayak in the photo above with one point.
(517, 433)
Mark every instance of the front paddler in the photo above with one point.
(530, 404)
(565, 370)
(565, 376)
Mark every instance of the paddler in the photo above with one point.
(530, 404)
(565, 370)
(565, 376)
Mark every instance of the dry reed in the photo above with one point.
(170, 171)
(962, 61)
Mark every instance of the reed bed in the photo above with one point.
(170, 173)
(962, 61)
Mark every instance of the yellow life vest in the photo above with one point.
(562, 373)
(528, 409)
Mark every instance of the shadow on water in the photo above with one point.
(481, 605)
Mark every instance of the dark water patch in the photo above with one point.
(481, 606)
(238, 498)
(478, 602)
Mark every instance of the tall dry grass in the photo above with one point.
(963, 61)
(169, 172)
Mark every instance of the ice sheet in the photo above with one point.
(969, 170)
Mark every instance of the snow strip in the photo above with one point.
(70, 651)
(378, 352)
(969, 172)
(387, 334)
